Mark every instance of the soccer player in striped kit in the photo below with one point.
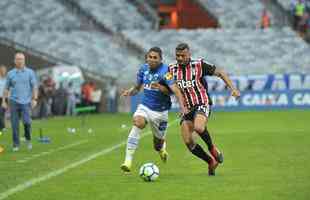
(190, 77)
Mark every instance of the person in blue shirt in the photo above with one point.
(21, 84)
(157, 83)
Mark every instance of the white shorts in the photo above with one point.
(157, 120)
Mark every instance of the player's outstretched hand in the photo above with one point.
(235, 93)
(125, 93)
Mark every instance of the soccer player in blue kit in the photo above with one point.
(156, 81)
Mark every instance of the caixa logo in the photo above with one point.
(186, 84)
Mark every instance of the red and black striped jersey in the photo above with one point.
(191, 81)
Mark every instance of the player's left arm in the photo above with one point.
(223, 75)
(177, 92)
(209, 69)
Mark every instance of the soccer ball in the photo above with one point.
(149, 172)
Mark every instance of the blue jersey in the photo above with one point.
(154, 98)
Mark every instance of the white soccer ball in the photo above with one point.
(149, 172)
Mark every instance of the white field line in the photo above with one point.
(267, 130)
(37, 180)
(24, 160)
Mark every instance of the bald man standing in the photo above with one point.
(22, 86)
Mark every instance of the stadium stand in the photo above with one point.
(237, 46)
(90, 49)
(115, 14)
(236, 14)
(286, 4)
(240, 51)
(31, 14)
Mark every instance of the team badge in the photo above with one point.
(168, 76)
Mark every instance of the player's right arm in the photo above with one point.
(177, 92)
(135, 89)
(132, 91)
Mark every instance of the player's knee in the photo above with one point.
(140, 123)
(199, 128)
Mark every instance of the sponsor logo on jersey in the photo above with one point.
(187, 84)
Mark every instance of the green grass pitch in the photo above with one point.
(267, 156)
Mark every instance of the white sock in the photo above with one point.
(132, 143)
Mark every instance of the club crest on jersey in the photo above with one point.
(168, 76)
(155, 77)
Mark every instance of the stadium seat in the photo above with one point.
(93, 50)
(240, 51)
(236, 14)
(116, 15)
(32, 14)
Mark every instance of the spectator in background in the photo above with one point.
(304, 24)
(42, 102)
(112, 97)
(50, 86)
(59, 101)
(308, 26)
(71, 100)
(46, 92)
(292, 6)
(265, 20)
(83, 94)
(87, 89)
(96, 98)
(299, 12)
(307, 3)
(2, 86)
(21, 84)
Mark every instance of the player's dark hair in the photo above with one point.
(19, 52)
(157, 50)
(182, 46)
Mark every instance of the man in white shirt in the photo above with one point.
(96, 98)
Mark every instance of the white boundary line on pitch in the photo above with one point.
(37, 180)
(44, 153)
(234, 131)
